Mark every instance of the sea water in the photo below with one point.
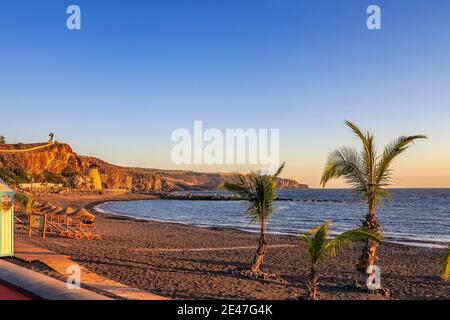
(418, 217)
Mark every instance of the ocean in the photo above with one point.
(419, 217)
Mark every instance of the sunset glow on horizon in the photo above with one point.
(119, 87)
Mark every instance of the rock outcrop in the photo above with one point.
(58, 161)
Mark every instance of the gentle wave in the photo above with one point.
(419, 217)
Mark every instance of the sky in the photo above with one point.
(138, 70)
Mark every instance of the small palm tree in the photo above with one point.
(319, 247)
(25, 201)
(258, 191)
(446, 264)
(369, 175)
(30, 205)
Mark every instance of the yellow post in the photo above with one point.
(6, 220)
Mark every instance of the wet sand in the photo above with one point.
(186, 262)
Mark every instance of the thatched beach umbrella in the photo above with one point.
(83, 214)
(48, 209)
(46, 205)
(65, 212)
(54, 211)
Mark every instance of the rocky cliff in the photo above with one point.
(59, 162)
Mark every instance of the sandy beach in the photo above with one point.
(185, 262)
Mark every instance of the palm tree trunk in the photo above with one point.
(369, 254)
(261, 251)
(313, 280)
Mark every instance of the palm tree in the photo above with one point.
(258, 191)
(2, 140)
(369, 175)
(319, 247)
(446, 264)
(25, 201)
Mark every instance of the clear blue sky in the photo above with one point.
(140, 69)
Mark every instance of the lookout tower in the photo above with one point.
(6, 220)
(94, 176)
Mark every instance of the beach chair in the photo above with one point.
(51, 213)
(81, 234)
(67, 228)
(53, 227)
(60, 217)
(63, 228)
(17, 219)
(68, 223)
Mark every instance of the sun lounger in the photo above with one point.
(67, 229)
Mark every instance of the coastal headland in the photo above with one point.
(58, 163)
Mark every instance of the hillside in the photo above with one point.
(59, 163)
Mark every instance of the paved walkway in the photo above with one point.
(30, 253)
(61, 263)
(41, 285)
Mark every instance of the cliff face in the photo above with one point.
(53, 159)
(59, 160)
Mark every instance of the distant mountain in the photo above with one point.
(58, 163)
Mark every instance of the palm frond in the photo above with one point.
(391, 151)
(366, 173)
(368, 153)
(280, 169)
(25, 201)
(345, 162)
(319, 247)
(315, 241)
(258, 191)
(238, 189)
(349, 238)
(357, 131)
